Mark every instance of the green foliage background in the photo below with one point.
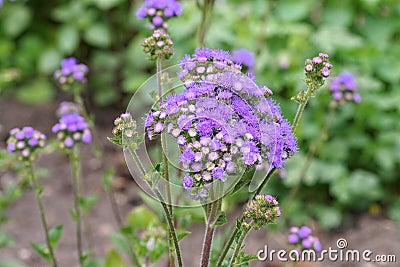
(356, 170)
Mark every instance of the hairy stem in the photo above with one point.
(74, 160)
(208, 237)
(168, 215)
(42, 212)
(238, 246)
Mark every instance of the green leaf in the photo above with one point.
(245, 179)
(181, 234)
(98, 35)
(141, 218)
(120, 242)
(16, 20)
(55, 234)
(114, 259)
(87, 203)
(5, 239)
(220, 219)
(394, 212)
(107, 178)
(68, 39)
(37, 92)
(115, 141)
(49, 61)
(243, 258)
(42, 250)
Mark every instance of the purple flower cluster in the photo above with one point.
(72, 129)
(71, 72)
(158, 45)
(25, 141)
(221, 121)
(245, 58)
(302, 239)
(317, 69)
(159, 11)
(344, 88)
(262, 210)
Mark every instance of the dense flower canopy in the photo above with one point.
(222, 121)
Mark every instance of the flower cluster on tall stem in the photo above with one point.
(25, 142)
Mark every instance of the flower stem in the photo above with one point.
(239, 246)
(208, 237)
(165, 161)
(42, 212)
(167, 213)
(74, 160)
(206, 12)
(299, 112)
(310, 156)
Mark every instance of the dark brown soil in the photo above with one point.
(379, 235)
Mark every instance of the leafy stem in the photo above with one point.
(39, 201)
(213, 209)
(238, 247)
(74, 160)
(167, 213)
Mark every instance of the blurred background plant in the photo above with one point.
(360, 158)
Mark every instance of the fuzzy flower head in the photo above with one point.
(245, 58)
(25, 142)
(125, 133)
(222, 122)
(158, 45)
(72, 129)
(262, 210)
(159, 12)
(71, 73)
(68, 107)
(344, 88)
(301, 239)
(317, 70)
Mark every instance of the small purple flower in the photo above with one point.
(68, 142)
(157, 21)
(218, 173)
(325, 72)
(306, 243)
(158, 127)
(187, 181)
(317, 60)
(293, 238)
(304, 231)
(33, 142)
(87, 137)
(11, 147)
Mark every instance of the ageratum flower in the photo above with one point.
(25, 141)
(159, 11)
(125, 133)
(344, 88)
(158, 45)
(71, 72)
(245, 58)
(262, 210)
(317, 69)
(301, 239)
(72, 129)
(222, 121)
(68, 107)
